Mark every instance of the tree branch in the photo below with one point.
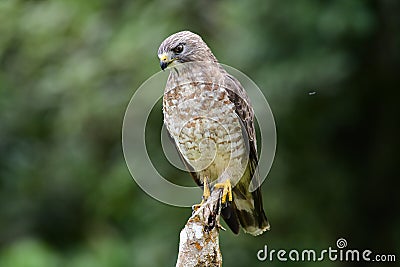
(199, 242)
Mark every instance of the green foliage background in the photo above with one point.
(69, 69)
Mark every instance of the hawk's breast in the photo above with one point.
(206, 130)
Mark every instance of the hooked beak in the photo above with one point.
(164, 60)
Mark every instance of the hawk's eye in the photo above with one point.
(178, 49)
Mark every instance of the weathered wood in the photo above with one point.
(199, 240)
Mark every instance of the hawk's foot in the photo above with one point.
(227, 190)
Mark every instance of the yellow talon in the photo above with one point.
(227, 190)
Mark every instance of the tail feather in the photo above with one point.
(247, 207)
(230, 217)
(250, 212)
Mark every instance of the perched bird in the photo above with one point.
(211, 121)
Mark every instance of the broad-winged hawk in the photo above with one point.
(209, 116)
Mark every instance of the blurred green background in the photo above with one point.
(69, 69)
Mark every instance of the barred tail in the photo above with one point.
(250, 212)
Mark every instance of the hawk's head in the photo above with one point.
(183, 46)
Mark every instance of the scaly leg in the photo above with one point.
(206, 194)
(206, 191)
(227, 190)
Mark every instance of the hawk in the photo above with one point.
(211, 121)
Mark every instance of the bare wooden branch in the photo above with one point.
(199, 241)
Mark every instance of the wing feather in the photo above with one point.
(249, 206)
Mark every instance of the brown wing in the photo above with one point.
(253, 220)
